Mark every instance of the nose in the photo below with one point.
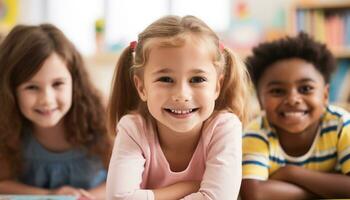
(182, 93)
(47, 97)
(293, 98)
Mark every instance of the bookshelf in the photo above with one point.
(328, 21)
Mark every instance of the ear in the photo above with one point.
(219, 84)
(258, 98)
(140, 87)
(326, 94)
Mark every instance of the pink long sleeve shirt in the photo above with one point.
(138, 164)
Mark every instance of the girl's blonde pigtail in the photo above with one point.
(235, 91)
(123, 95)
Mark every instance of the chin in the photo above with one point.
(294, 131)
(185, 130)
(181, 129)
(47, 124)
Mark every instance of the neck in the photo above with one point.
(300, 143)
(171, 140)
(52, 138)
(54, 131)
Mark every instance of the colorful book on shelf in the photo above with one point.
(319, 25)
(338, 85)
(344, 89)
(300, 20)
(331, 26)
(347, 29)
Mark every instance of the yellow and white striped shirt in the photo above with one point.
(330, 151)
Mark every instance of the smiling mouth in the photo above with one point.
(181, 111)
(294, 113)
(46, 112)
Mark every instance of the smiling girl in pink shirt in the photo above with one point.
(177, 103)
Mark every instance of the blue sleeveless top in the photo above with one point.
(51, 170)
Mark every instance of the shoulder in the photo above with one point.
(222, 125)
(223, 118)
(258, 124)
(335, 115)
(259, 129)
(133, 125)
(131, 121)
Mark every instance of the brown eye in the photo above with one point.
(198, 79)
(305, 89)
(277, 92)
(57, 84)
(166, 79)
(31, 87)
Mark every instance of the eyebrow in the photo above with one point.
(169, 70)
(163, 71)
(278, 82)
(53, 80)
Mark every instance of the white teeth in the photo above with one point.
(294, 114)
(181, 112)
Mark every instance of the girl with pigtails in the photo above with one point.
(177, 105)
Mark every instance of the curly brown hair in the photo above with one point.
(302, 46)
(22, 54)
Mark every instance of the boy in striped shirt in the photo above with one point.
(299, 148)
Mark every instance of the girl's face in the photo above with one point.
(294, 95)
(180, 87)
(47, 96)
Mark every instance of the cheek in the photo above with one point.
(156, 92)
(26, 102)
(265, 102)
(66, 95)
(319, 103)
(270, 105)
(208, 95)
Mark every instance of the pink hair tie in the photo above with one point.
(133, 45)
(221, 46)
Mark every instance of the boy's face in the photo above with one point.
(293, 94)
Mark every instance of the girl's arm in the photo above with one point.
(324, 185)
(126, 169)
(99, 192)
(177, 190)
(126, 165)
(14, 187)
(223, 172)
(9, 186)
(272, 189)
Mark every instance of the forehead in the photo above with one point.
(189, 54)
(292, 70)
(53, 67)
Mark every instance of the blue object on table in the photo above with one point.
(37, 197)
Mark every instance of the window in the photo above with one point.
(127, 18)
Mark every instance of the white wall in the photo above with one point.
(265, 10)
(127, 18)
(31, 11)
(76, 18)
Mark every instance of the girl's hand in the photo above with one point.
(85, 195)
(195, 185)
(81, 194)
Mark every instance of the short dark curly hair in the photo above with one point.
(302, 46)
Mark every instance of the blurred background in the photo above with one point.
(100, 29)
